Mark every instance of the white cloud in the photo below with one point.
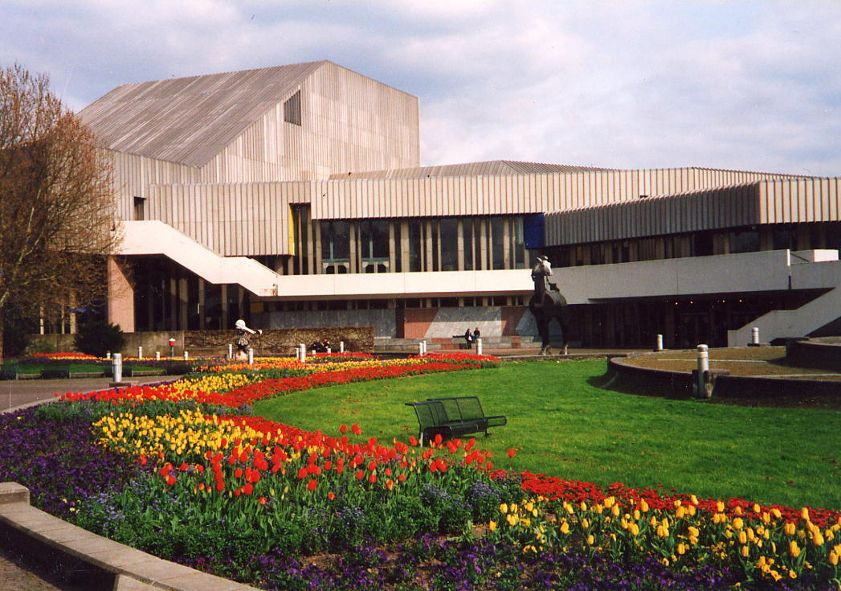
(626, 84)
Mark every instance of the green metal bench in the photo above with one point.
(453, 417)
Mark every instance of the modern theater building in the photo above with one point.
(294, 196)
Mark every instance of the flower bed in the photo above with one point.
(284, 508)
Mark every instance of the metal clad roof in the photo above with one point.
(190, 120)
(489, 168)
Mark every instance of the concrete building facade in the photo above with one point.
(294, 196)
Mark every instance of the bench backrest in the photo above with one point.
(430, 413)
(461, 408)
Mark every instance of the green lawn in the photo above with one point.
(562, 424)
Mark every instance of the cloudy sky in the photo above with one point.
(624, 84)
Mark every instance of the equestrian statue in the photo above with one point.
(547, 303)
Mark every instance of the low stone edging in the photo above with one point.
(100, 563)
(679, 383)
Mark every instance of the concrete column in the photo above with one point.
(307, 220)
(392, 248)
(173, 303)
(226, 319)
(183, 310)
(120, 295)
(427, 231)
(404, 246)
(506, 243)
(201, 309)
(481, 261)
(354, 251)
(319, 255)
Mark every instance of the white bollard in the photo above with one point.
(157, 355)
(754, 336)
(117, 367)
(329, 351)
(140, 352)
(250, 356)
(479, 346)
(341, 346)
(420, 349)
(108, 355)
(425, 350)
(703, 370)
(303, 352)
(659, 346)
(230, 351)
(186, 355)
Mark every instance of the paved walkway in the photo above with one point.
(17, 393)
(17, 573)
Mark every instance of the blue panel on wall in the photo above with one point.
(533, 230)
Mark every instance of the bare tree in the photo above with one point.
(56, 201)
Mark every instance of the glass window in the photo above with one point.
(518, 247)
(292, 109)
(335, 247)
(467, 237)
(449, 244)
(415, 245)
(744, 240)
(782, 237)
(374, 246)
(497, 237)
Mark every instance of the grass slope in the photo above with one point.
(563, 424)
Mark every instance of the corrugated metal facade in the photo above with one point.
(656, 216)
(514, 194)
(800, 200)
(241, 219)
(775, 201)
(230, 128)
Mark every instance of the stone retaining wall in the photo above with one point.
(281, 341)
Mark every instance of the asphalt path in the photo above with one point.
(15, 394)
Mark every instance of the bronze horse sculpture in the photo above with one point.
(547, 303)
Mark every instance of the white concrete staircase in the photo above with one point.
(801, 322)
(157, 238)
(809, 270)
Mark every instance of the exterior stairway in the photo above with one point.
(158, 238)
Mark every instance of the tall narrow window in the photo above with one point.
(292, 109)
(467, 241)
(335, 247)
(497, 237)
(518, 247)
(415, 245)
(449, 244)
(374, 246)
